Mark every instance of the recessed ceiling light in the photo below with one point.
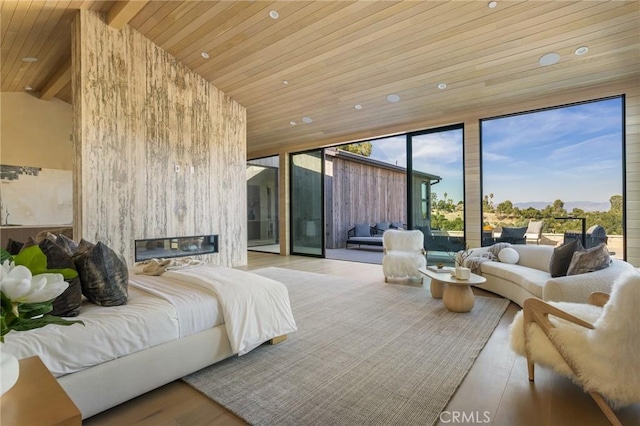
(442, 86)
(205, 55)
(393, 97)
(293, 123)
(307, 120)
(285, 82)
(29, 59)
(492, 4)
(358, 106)
(28, 88)
(581, 50)
(549, 59)
(274, 15)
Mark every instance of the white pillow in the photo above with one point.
(508, 255)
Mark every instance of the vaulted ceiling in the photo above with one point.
(319, 59)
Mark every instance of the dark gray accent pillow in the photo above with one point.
(69, 302)
(513, 232)
(13, 246)
(590, 260)
(561, 258)
(103, 274)
(397, 225)
(67, 244)
(363, 230)
(426, 230)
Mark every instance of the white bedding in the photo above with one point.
(197, 308)
(255, 308)
(143, 322)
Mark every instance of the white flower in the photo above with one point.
(17, 284)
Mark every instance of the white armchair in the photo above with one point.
(596, 344)
(403, 254)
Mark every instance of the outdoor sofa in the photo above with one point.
(367, 235)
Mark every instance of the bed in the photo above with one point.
(172, 325)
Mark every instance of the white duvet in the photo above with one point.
(255, 309)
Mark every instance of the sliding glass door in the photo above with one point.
(436, 190)
(262, 204)
(307, 203)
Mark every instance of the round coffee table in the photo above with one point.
(456, 294)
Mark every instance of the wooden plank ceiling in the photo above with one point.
(335, 55)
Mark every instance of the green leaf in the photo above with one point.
(5, 255)
(33, 258)
(67, 273)
(24, 324)
(30, 310)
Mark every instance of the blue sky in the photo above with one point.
(572, 154)
(438, 153)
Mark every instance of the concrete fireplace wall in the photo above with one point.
(159, 151)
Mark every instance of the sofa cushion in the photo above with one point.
(534, 256)
(383, 226)
(590, 260)
(513, 233)
(561, 258)
(363, 230)
(532, 280)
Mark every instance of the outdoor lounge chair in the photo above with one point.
(534, 231)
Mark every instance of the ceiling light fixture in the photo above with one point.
(29, 59)
(274, 15)
(393, 98)
(581, 50)
(549, 59)
(358, 106)
(492, 4)
(293, 123)
(442, 86)
(285, 82)
(205, 55)
(307, 120)
(28, 88)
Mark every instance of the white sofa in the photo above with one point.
(530, 277)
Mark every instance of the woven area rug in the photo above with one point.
(364, 353)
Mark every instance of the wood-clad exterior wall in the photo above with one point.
(361, 193)
(138, 114)
(632, 196)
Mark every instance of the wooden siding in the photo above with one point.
(632, 196)
(362, 193)
(139, 114)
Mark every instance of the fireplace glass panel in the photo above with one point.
(175, 247)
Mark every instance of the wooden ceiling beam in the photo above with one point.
(56, 83)
(124, 11)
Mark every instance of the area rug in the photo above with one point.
(364, 353)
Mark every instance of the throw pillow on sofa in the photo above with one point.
(508, 255)
(591, 260)
(103, 274)
(561, 258)
(363, 230)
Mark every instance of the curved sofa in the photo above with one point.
(530, 277)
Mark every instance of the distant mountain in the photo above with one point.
(587, 206)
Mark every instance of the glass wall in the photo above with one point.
(561, 167)
(437, 191)
(262, 205)
(307, 203)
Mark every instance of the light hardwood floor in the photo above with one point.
(496, 384)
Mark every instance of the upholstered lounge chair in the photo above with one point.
(403, 254)
(534, 231)
(596, 344)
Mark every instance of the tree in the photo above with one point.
(616, 204)
(505, 208)
(361, 148)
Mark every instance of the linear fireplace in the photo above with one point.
(175, 247)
